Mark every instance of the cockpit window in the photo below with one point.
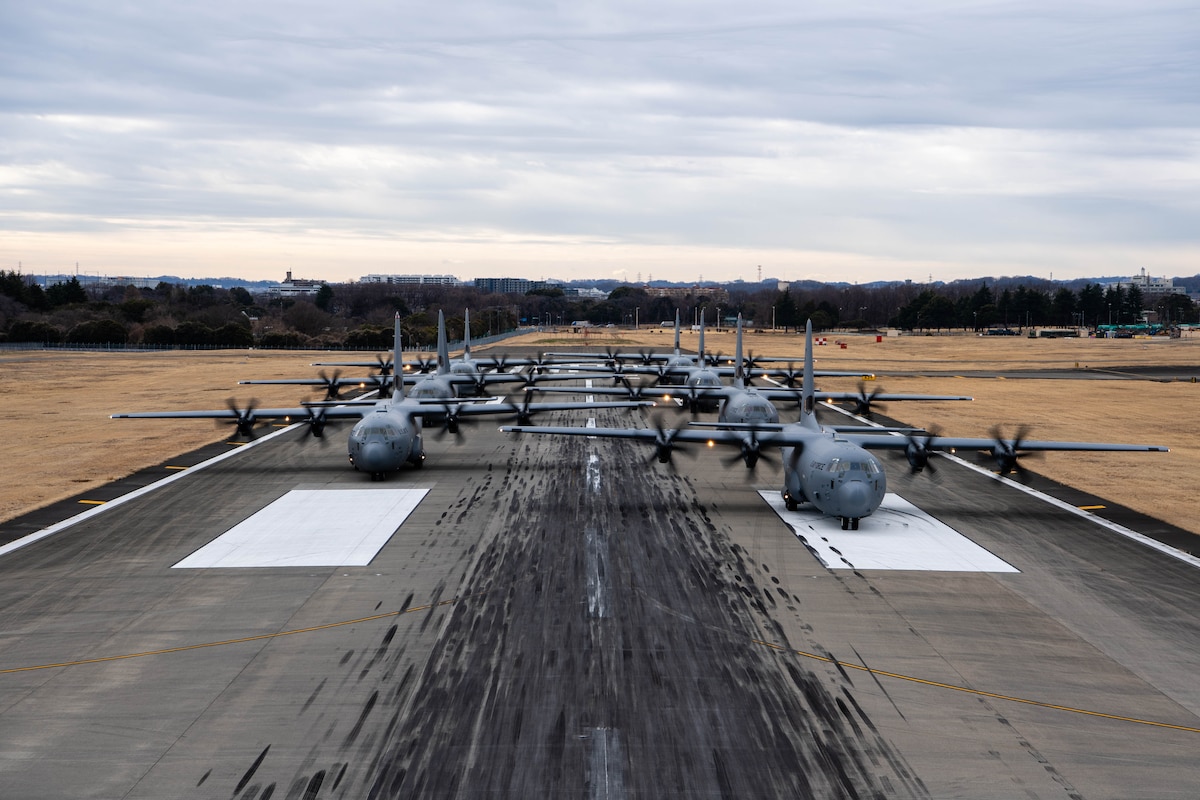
(838, 465)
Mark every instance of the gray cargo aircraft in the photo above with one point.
(388, 431)
(831, 468)
(702, 370)
(746, 404)
(444, 383)
(466, 364)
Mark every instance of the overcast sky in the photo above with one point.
(850, 141)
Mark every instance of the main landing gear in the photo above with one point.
(849, 523)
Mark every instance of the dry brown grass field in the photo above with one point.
(59, 439)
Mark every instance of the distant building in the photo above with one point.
(716, 293)
(515, 285)
(294, 287)
(1152, 289)
(413, 280)
(96, 281)
(587, 292)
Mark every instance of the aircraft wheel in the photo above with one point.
(854, 524)
(845, 523)
(790, 504)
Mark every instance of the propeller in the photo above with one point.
(664, 442)
(750, 452)
(451, 422)
(1007, 453)
(332, 388)
(244, 419)
(480, 387)
(383, 383)
(917, 450)
(426, 365)
(540, 362)
(501, 364)
(316, 423)
(524, 412)
(862, 404)
(385, 364)
(792, 376)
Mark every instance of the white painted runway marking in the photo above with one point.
(897, 536)
(593, 473)
(311, 528)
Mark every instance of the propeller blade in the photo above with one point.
(244, 420)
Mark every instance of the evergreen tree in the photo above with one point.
(64, 294)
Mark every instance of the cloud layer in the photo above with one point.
(679, 139)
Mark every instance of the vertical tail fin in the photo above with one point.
(443, 350)
(677, 331)
(739, 369)
(807, 399)
(397, 365)
(701, 361)
(467, 334)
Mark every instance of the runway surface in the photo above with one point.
(568, 618)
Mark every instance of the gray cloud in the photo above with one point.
(960, 135)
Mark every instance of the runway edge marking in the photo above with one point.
(58, 527)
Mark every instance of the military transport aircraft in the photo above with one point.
(703, 369)
(447, 380)
(466, 364)
(742, 402)
(388, 433)
(831, 468)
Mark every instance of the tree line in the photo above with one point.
(359, 316)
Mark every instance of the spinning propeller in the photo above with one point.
(332, 388)
(1008, 452)
(243, 419)
(917, 451)
(862, 403)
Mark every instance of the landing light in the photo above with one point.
(711, 443)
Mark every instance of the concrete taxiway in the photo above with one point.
(568, 618)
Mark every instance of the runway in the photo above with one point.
(568, 618)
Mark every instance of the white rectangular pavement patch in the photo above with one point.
(897, 536)
(311, 528)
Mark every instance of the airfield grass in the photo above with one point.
(60, 440)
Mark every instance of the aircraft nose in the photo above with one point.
(855, 499)
(375, 457)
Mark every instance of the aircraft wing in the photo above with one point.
(884, 397)
(563, 375)
(314, 381)
(880, 441)
(645, 357)
(641, 434)
(533, 408)
(300, 413)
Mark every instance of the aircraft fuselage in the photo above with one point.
(384, 441)
(837, 477)
(748, 408)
